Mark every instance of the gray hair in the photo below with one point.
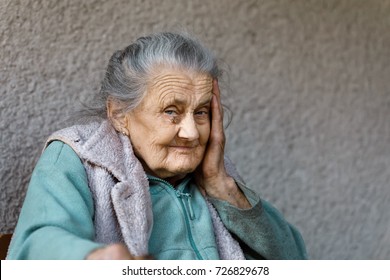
(129, 70)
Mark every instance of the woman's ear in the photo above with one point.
(117, 117)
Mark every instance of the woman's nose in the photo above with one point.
(188, 129)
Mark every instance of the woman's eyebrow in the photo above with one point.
(183, 101)
(180, 101)
(175, 101)
(205, 102)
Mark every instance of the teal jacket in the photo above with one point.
(58, 218)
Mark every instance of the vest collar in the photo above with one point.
(100, 144)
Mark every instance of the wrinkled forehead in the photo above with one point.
(179, 76)
(176, 81)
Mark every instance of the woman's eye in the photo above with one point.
(202, 113)
(170, 112)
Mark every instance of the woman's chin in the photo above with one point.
(181, 171)
(176, 172)
(177, 167)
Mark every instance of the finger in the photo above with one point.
(217, 93)
(217, 132)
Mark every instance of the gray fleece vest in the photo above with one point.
(120, 189)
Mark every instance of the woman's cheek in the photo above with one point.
(204, 134)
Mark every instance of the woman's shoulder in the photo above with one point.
(77, 133)
(58, 154)
(83, 137)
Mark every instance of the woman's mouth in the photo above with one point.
(183, 148)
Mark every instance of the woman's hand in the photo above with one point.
(114, 252)
(211, 175)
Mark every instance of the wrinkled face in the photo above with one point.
(170, 128)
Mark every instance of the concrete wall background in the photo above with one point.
(309, 88)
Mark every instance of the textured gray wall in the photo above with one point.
(309, 88)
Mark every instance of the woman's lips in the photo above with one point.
(183, 148)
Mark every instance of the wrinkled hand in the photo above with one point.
(211, 175)
(114, 252)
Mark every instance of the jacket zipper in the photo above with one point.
(188, 213)
(188, 200)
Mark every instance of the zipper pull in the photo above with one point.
(189, 204)
(191, 210)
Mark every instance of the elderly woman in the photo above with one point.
(150, 177)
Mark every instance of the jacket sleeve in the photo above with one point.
(262, 231)
(56, 220)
